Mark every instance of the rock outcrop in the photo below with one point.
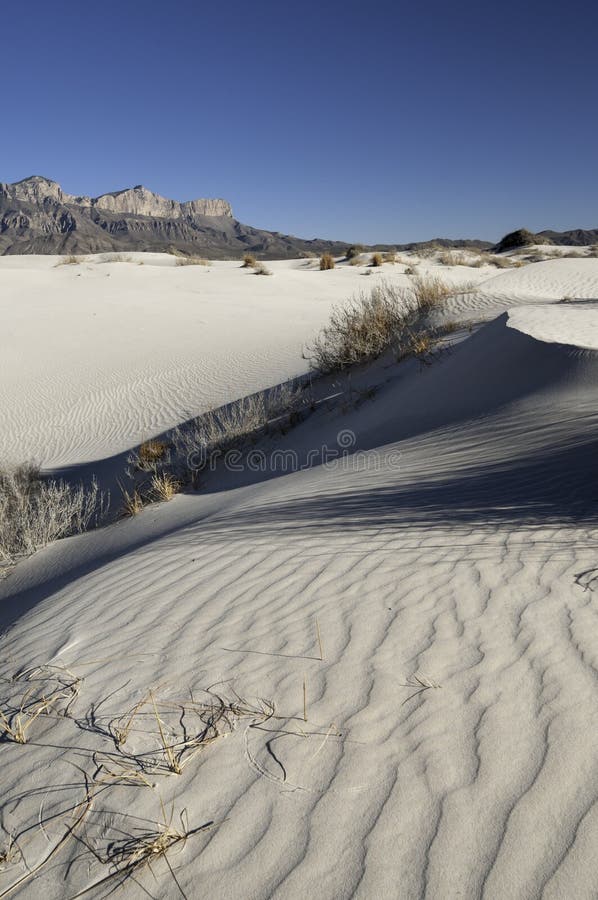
(138, 201)
(37, 216)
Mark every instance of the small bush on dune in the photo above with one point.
(326, 262)
(370, 324)
(150, 454)
(249, 261)
(376, 260)
(354, 251)
(261, 269)
(389, 257)
(430, 292)
(356, 261)
(34, 512)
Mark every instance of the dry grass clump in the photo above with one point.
(128, 853)
(35, 692)
(192, 261)
(376, 260)
(370, 324)
(132, 502)
(356, 261)
(71, 260)
(249, 261)
(163, 735)
(164, 486)
(261, 269)
(573, 254)
(389, 257)
(34, 512)
(326, 262)
(411, 270)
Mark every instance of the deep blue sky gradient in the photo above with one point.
(395, 121)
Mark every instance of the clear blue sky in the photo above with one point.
(390, 122)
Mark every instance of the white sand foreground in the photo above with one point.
(446, 747)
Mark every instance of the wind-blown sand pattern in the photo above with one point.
(451, 570)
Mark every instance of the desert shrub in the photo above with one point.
(217, 431)
(149, 455)
(249, 261)
(261, 269)
(192, 261)
(376, 260)
(354, 251)
(370, 324)
(430, 292)
(389, 257)
(326, 261)
(34, 511)
(410, 270)
(573, 254)
(356, 261)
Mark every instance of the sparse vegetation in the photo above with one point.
(209, 436)
(370, 324)
(376, 260)
(249, 261)
(164, 486)
(261, 269)
(192, 261)
(149, 454)
(34, 511)
(326, 261)
(354, 251)
(356, 261)
(389, 257)
(71, 260)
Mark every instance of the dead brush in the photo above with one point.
(71, 260)
(132, 502)
(171, 733)
(261, 269)
(421, 684)
(9, 853)
(51, 691)
(326, 262)
(249, 261)
(127, 855)
(164, 486)
(376, 260)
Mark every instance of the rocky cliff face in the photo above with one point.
(37, 216)
(137, 201)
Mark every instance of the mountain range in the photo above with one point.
(37, 216)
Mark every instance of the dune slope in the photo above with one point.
(420, 614)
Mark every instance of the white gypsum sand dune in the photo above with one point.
(421, 616)
(96, 357)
